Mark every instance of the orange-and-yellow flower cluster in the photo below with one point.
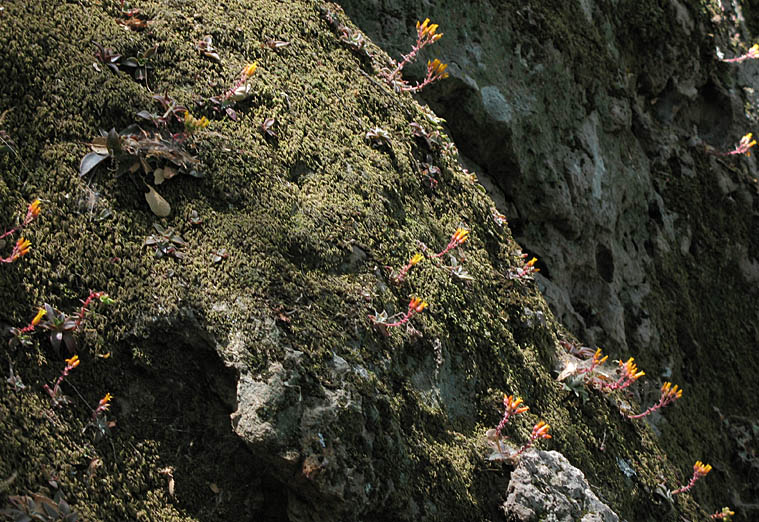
(512, 405)
(629, 371)
(21, 249)
(701, 469)
(192, 124)
(72, 363)
(105, 402)
(33, 210)
(427, 32)
(436, 70)
(416, 305)
(540, 431)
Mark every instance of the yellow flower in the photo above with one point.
(103, 404)
(34, 208)
(667, 390)
(701, 469)
(460, 235)
(37, 318)
(427, 30)
(414, 260)
(630, 370)
(192, 124)
(597, 359)
(437, 68)
(73, 362)
(21, 248)
(249, 70)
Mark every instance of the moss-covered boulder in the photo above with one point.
(250, 380)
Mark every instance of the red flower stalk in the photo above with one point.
(435, 71)
(32, 211)
(55, 392)
(425, 35)
(539, 431)
(700, 470)
(742, 148)
(458, 237)
(103, 405)
(594, 363)
(85, 304)
(240, 91)
(415, 306)
(21, 248)
(752, 53)
(527, 269)
(512, 407)
(669, 394)
(404, 271)
(630, 374)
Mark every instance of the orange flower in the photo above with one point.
(669, 392)
(540, 431)
(417, 305)
(104, 402)
(34, 208)
(630, 370)
(21, 248)
(460, 236)
(73, 362)
(701, 469)
(512, 405)
(597, 359)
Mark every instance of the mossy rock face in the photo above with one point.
(598, 128)
(249, 383)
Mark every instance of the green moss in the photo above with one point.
(309, 220)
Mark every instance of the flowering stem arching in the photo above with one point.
(425, 35)
(32, 211)
(700, 470)
(415, 306)
(539, 431)
(742, 148)
(669, 394)
(404, 271)
(752, 53)
(55, 392)
(459, 237)
(240, 91)
(630, 374)
(21, 248)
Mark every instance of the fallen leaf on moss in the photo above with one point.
(158, 205)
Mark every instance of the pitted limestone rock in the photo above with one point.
(545, 486)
